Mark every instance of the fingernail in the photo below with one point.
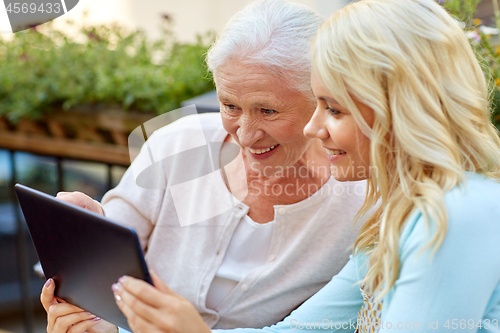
(115, 287)
(96, 319)
(152, 272)
(48, 283)
(121, 280)
(118, 298)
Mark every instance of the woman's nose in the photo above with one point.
(315, 128)
(248, 133)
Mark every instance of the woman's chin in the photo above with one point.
(348, 174)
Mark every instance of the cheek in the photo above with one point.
(229, 123)
(288, 132)
(347, 136)
(342, 133)
(364, 149)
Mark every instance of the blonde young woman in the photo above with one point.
(400, 95)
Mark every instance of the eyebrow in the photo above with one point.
(258, 104)
(328, 99)
(223, 98)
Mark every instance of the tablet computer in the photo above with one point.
(85, 253)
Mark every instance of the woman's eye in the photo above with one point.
(268, 111)
(230, 106)
(332, 110)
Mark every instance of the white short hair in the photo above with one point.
(275, 34)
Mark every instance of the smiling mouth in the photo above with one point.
(335, 152)
(261, 151)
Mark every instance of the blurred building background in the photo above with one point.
(190, 17)
(198, 16)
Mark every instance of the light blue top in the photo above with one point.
(457, 289)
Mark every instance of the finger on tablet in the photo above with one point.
(84, 326)
(60, 300)
(47, 296)
(60, 322)
(104, 326)
(137, 323)
(136, 305)
(81, 200)
(142, 290)
(63, 309)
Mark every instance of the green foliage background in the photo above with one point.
(42, 69)
(486, 47)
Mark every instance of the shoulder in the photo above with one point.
(206, 122)
(475, 199)
(186, 133)
(468, 254)
(473, 211)
(183, 135)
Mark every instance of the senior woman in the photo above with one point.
(250, 266)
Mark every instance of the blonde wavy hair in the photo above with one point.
(411, 63)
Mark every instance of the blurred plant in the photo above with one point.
(485, 43)
(40, 175)
(43, 68)
(462, 10)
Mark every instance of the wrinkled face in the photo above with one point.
(346, 146)
(263, 115)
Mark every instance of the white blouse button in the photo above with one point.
(281, 211)
(244, 287)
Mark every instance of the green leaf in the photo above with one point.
(103, 64)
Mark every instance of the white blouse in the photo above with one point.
(247, 250)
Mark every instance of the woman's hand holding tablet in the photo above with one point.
(156, 308)
(63, 317)
(81, 200)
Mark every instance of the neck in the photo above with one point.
(266, 188)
